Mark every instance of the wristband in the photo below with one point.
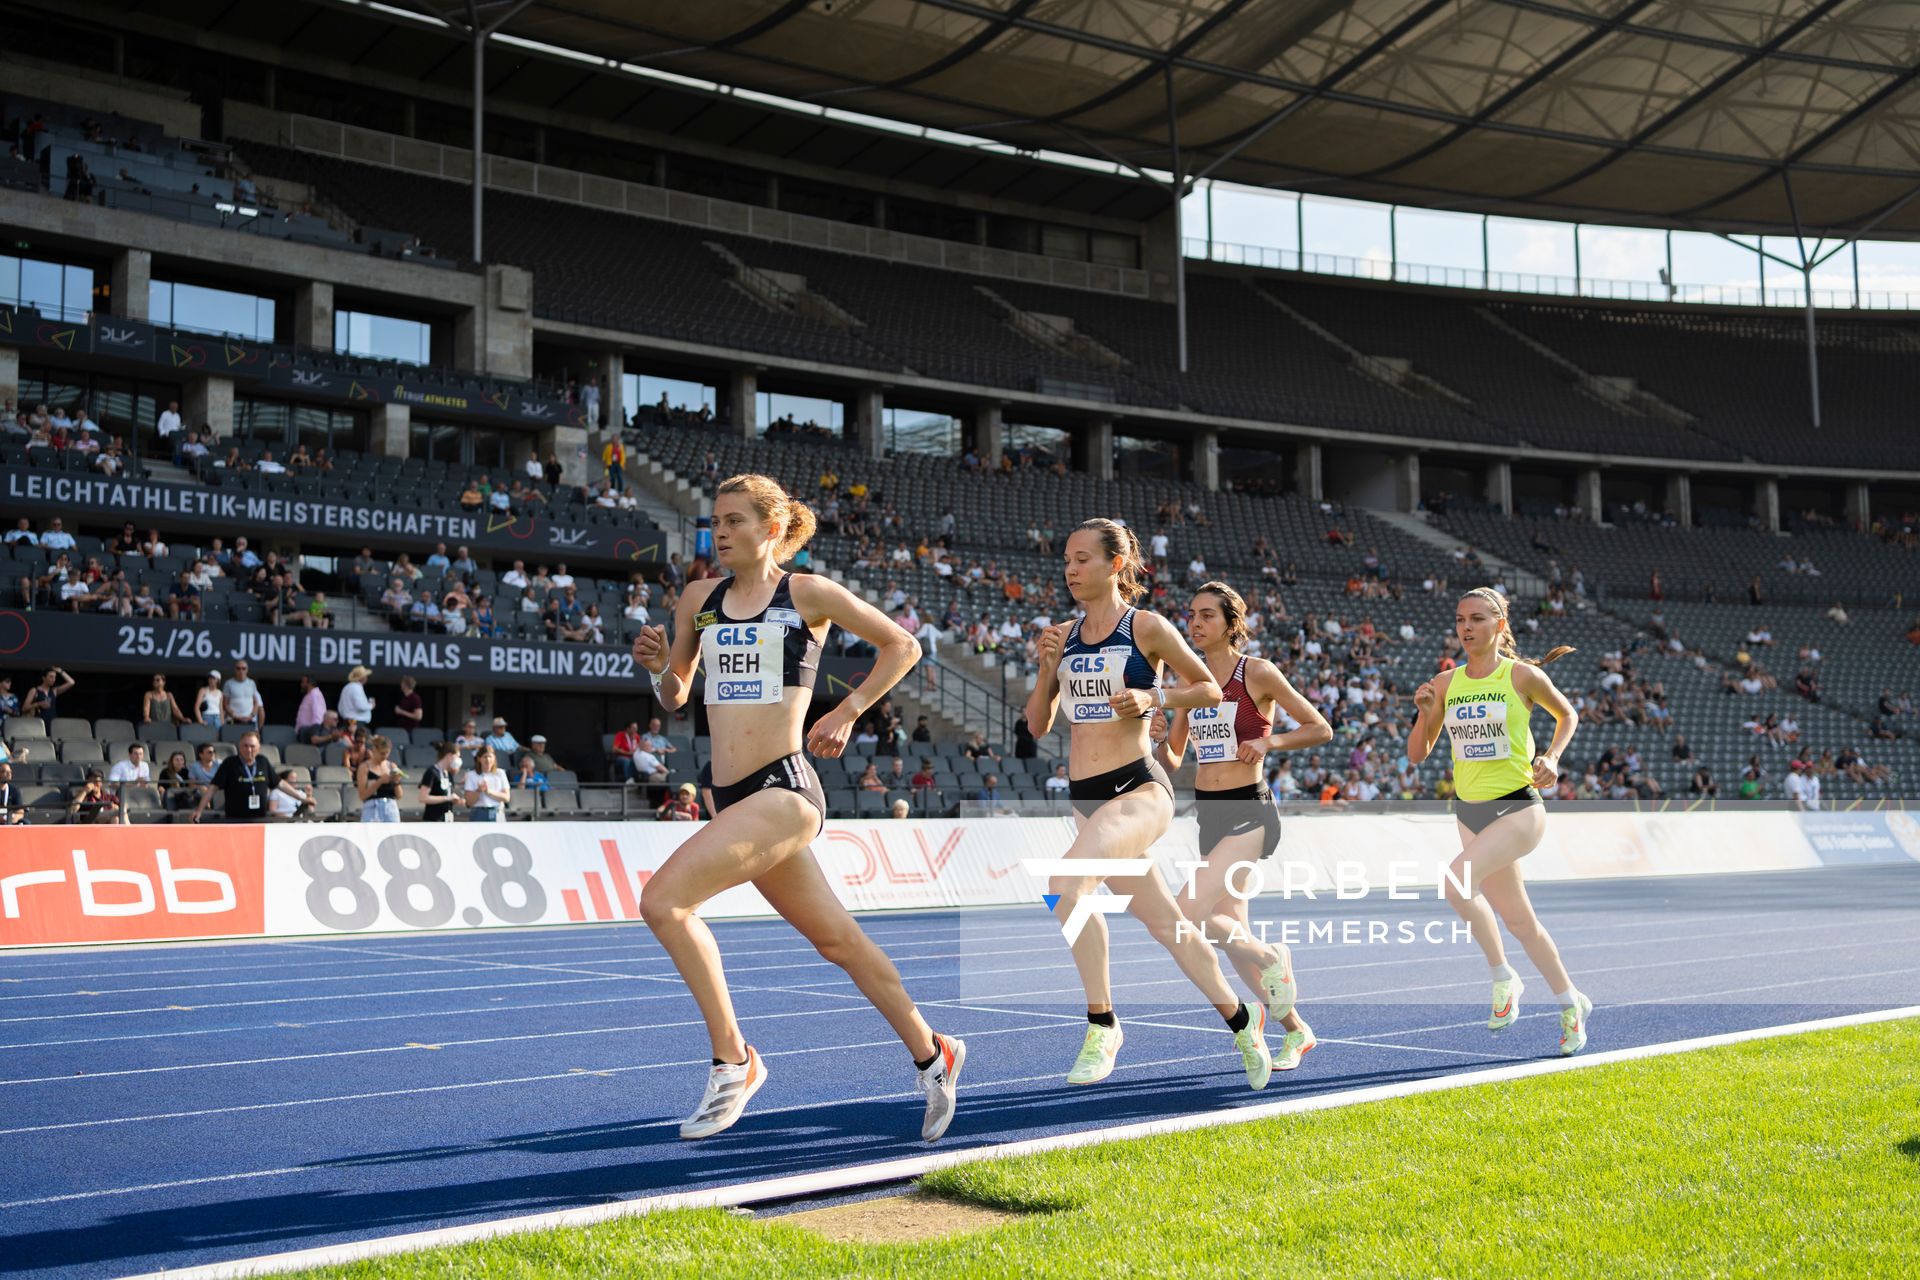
(659, 678)
(1160, 697)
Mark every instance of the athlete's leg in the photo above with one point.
(798, 890)
(741, 844)
(1511, 837)
(1506, 891)
(1206, 902)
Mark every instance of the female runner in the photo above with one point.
(1238, 821)
(1122, 800)
(1486, 708)
(759, 633)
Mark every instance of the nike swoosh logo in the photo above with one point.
(1118, 787)
(1504, 1009)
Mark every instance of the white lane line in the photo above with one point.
(822, 1181)
(458, 1086)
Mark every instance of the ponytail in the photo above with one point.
(1505, 647)
(1118, 541)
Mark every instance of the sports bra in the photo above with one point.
(1091, 673)
(749, 661)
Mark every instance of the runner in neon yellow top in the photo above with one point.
(1485, 708)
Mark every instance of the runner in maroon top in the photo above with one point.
(1239, 823)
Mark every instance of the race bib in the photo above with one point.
(742, 661)
(1087, 681)
(1479, 730)
(1212, 732)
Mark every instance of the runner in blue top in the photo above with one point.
(758, 633)
(1101, 668)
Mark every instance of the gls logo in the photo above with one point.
(737, 635)
(1470, 711)
(1081, 664)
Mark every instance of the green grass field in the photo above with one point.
(1784, 1157)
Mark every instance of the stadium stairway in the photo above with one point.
(1520, 581)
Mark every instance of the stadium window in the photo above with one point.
(643, 390)
(1016, 234)
(121, 405)
(916, 431)
(1437, 248)
(940, 222)
(489, 448)
(808, 414)
(363, 333)
(1530, 256)
(1113, 250)
(205, 310)
(1139, 457)
(721, 182)
(1047, 444)
(1063, 242)
(58, 289)
(434, 441)
(817, 200)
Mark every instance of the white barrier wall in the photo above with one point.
(70, 885)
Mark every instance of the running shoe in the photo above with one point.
(1095, 1062)
(938, 1081)
(728, 1088)
(1276, 982)
(1294, 1047)
(1573, 1025)
(1251, 1041)
(1506, 1003)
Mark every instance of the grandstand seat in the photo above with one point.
(71, 727)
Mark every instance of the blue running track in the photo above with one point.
(172, 1106)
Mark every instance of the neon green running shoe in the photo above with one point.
(1095, 1062)
(1573, 1025)
(1276, 983)
(1294, 1047)
(1506, 1003)
(1251, 1040)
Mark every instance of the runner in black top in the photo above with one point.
(758, 635)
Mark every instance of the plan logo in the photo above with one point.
(1087, 905)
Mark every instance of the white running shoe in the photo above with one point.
(728, 1089)
(1506, 1003)
(939, 1081)
(1251, 1041)
(1294, 1047)
(1097, 1053)
(1573, 1025)
(1276, 983)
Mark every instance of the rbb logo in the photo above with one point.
(117, 886)
(1081, 664)
(737, 635)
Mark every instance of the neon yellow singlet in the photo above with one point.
(1492, 731)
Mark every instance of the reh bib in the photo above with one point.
(1089, 680)
(743, 663)
(1479, 730)
(1214, 732)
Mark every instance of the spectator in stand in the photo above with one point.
(22, 531)
(683, 805)
(169, 424)
(43, 699)
(537, 752)
(288, 801)
(330, 731)
(205, 764)
(93, 803)
(158, 706)
(467, 739)
(244, 780)
(177, 785)
(978, 749)
(530, 777)
(620, 754)
(990, 797)
(377, 781)
(1802, 786)
(244, 703)
(870, 779)
(471, 499)
(13, 809)
(312, 710)
(502, 740)
(210, 702)
(656, 741)
(648, 768)
(485, 787)
(410, 711)
(614, 458)
(439, 795)
(354, 705)
(134, 768)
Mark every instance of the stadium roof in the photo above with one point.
(1664, 112)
